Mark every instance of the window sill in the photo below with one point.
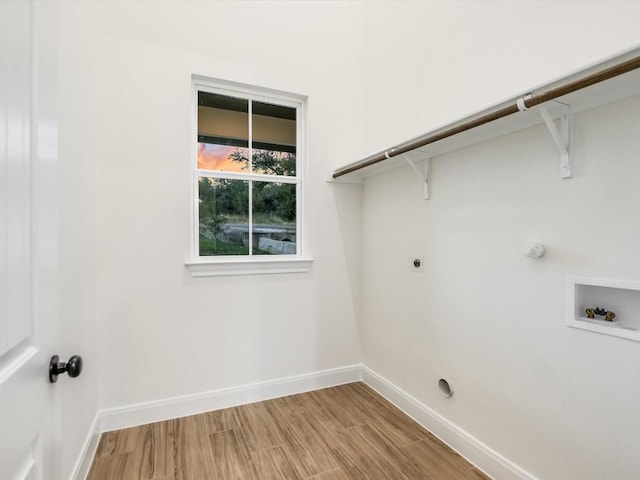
(244, 266)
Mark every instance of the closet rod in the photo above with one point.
(496, 114)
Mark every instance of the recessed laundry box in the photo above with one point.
(605, 306)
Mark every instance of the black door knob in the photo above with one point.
(73, 367)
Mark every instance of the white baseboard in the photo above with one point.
(83, 464)
(158, 410)
(482, 456)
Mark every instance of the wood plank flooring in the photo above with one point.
(339, 433)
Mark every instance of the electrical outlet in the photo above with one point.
(417, 264)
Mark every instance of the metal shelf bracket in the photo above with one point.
(560, 137)
(424, 176)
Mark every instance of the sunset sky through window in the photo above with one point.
(216, 157)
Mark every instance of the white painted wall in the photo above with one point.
(560, 403)
(429, 63)
(163, 333)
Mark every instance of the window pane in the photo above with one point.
(223, 132)
(274, 139)
(222, 157)
(274, 218)
(274, 163)
(223, 216)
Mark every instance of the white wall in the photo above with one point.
(429, 63)
(560, 403)
(163, 333)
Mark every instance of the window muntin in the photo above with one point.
(247, 181)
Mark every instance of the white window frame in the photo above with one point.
(206, 266)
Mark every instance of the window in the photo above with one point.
(248, 157)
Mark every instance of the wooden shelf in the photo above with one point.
(608, 91)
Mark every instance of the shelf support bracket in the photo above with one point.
(424, 176)
(562, 137)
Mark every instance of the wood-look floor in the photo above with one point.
(339, 433)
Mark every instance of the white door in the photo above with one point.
(27, 256)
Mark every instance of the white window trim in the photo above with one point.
(248, 264)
